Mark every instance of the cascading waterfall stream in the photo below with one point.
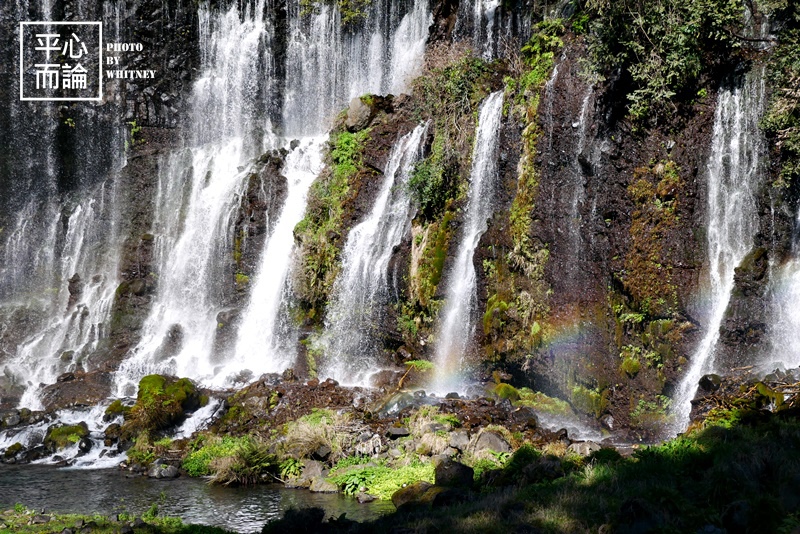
(458, 323)
(734, 173)
(264, 319)
(325, 66)
(198, 190)
(784, 331)
(362, 289)
(60, 252)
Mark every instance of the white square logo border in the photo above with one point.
(22, 96)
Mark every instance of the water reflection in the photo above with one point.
(109, 491)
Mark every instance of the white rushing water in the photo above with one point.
(457, 326)
(79, 246)
(784, 332)
(734, 172)
(264, 319)
(200, 187)
(362, 289)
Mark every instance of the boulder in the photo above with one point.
(322, 453)
(395, 432)
(459, 439)
(365, 497)
(80, 389)
(322, 485)
(311, 469)
(61, 436)
(10, 418)
(411, 493)
(710, 383)
(162, 471)
(584, 448)
(453, 474)
(111, 432)
(369, 447)
(488, 440)
(85, 445)
(359, 115)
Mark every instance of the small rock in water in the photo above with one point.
(321, 485)
(85, 445)
(365, 497)
(452, 395)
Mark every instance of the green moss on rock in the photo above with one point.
(62, 436)
(160, 403)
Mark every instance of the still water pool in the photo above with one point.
(110, 491)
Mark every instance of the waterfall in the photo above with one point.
(196, 200)
(328, 64)
(734, 171)
(362, 290)
(485, 33)
(784, 331)
(458, 323)
(77, 266)
(265, 318)
(60, 220)
(324, 66)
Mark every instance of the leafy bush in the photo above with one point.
(663, 45)
(198, 463)
(382, 481)
(290, 467)
(320, 427)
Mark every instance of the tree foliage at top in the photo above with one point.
(662, 45)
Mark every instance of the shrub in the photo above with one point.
(160, 403)
(663, 46)
(382, 481)
(310, 432)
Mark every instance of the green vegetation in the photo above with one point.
(319, 428)
(231, 461)
(517, 307)
(541, 402)
(19, 521)
(321, 232)
(117, 408)
(60, 437)
(657, 195)
(351, 11)
(207, 449)
(739, 478)
(161, 402)
(381, 480)
(135, 134)
(781, 122)
(661, 47)
(417, 366)
(630, 365)
(652, 416)
(435, 179)
(591, 401)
